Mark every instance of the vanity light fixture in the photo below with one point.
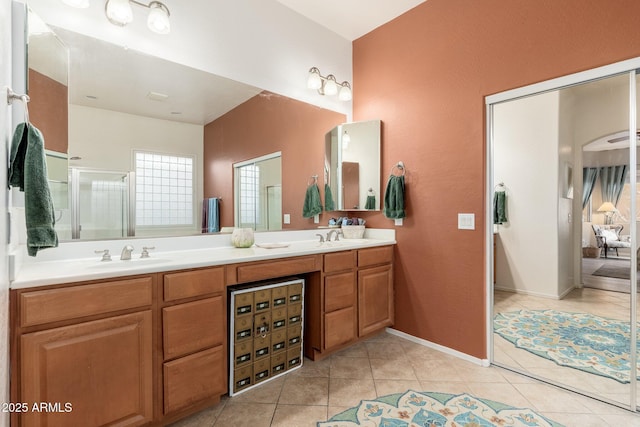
(328, 85)
(119, 13)
(346, 139)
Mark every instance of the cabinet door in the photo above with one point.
(375, 299)
(101, 368)
(339, 327)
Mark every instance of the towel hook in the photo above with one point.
(400, 167)
(498, 186)
(12, 96)
(312, 180)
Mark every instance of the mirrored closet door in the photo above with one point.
(562, 178)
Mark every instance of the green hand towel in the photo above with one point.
(312, 204)
(394, 198)
(370, 203)
(499, 207)
(28, 171)
(329, 204)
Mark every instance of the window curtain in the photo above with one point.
(589, 176)
(612, 181)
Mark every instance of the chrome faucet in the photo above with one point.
(338, 233)
(126, 253)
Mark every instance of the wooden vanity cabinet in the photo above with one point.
(194, 349)
(85, 352)
(352, 299)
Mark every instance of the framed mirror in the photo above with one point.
(123, 103)
(352, 166)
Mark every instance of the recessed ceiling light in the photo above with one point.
(176, 112)
(157, 96)
(91, 96)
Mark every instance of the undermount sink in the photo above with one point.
(131, 263)
(343, 242)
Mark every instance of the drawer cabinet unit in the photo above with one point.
(194, 338)
(351, 299)
(89, 346)
(268, 337)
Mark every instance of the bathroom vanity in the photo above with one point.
(149, 345)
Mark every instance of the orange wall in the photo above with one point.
(425, 75)
(265, 124)
(49, 111)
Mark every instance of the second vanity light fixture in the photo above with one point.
(328, 85)
(119, 13)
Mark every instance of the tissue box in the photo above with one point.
(353, 231)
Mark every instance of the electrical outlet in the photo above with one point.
(466, 221)
(287, 219)
(398, 221)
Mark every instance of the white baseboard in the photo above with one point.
(533, 294)
(441, 348)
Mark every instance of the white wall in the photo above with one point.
(106, 140)
(5, 135)
(257, 42)
(568, 247)
(525, 145)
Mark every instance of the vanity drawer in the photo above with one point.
(193, 378)
(256, 271)
(339, 291)
(193, 283)
(339, 261)
(53, 305)
(375, 256)
(192, 326)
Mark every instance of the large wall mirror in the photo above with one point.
(565, 281)
(135, 141)
(352, 165)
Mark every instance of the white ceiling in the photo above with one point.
(351, 18)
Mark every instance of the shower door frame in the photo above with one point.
(74, 188)
(630, 66)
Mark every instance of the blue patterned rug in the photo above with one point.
(413, 408)
(578, 340)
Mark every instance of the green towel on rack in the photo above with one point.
(28, 171)
(312, 204)
(394, 198)
(329, 204)
(370, 203)
(499, 207)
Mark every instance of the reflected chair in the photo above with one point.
(608, 237)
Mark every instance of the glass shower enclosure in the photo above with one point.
(102, 204)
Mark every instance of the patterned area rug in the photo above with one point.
(578, 340)
(413, 408)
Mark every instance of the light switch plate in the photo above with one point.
(466, 221)
(287, 219)
(316, 219)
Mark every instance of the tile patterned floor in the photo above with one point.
(388, 364)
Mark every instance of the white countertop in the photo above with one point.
(57, 269)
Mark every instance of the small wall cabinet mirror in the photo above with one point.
(352, 165)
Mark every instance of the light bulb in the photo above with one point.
(158, 20)
(119, 12)
(330, 86)
(345, 92)
(80, 4)
(346, 139)
(314, 81)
